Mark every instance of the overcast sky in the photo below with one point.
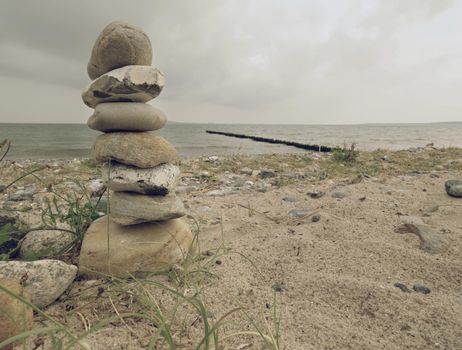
(241, 61)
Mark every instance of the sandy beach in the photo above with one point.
(304, 248)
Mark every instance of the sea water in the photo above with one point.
(65, 141)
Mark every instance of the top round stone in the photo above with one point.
(119, 44)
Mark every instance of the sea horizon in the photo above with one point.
(295, 124)
(71, 140)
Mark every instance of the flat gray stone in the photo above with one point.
(133, 250)
(119, 44)
(126, 84)
(454, 188)
(267, 173)
(123, 116)
(140, 149)
(339, 195)
(290, 199)
(45, 280)
(128, 208)
(24, 194)
(159, 180)
(299, 213)
(221, 193)
(45, 243)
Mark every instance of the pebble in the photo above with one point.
(185, 189)
(220, 193)
(315, 194)
(24, 194)
(316, 218)
(299, 213)
(212, 159)
(246, 171)
(454, 188)
(96, 187)
(267, 173)
(403, 287)
(421, 289)
(429, 210)
(339, 195)
(290, 199)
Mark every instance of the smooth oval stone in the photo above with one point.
(133, 250)
(140, 149)
(123, 116)
(454, 188)
(46, 279)
(119, 44)
(126, 84)
(129, 208)
(15, 316)
(159, 180)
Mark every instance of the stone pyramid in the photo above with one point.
(144, 232)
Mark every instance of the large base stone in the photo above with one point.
(159, 180)
(133, 250)
(126, 116)
(119, 44)
(128, 208)
(140, 149)
(126, 84)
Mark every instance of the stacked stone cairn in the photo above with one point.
(143, 232)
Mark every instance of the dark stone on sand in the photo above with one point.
(315, 218)
(267, 173)
(403, 287)
(315, 194)
(454, 188)
(290, 199)
(421, 289)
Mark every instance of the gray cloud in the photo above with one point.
(245, 61)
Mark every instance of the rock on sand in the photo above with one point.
(45, 280)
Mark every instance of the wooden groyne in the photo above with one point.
(316, 148)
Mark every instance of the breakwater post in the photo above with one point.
(315, 148)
